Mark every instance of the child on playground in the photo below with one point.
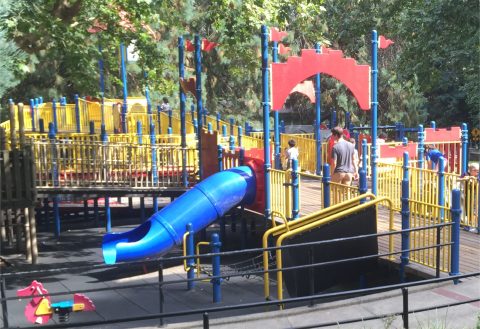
(165, 107)
(433, 156)
(291, 153)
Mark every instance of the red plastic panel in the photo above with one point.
(276, 35)
(285, 76)
(389, 151)
(305, 88)
(451, 134)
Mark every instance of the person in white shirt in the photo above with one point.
(291, 153)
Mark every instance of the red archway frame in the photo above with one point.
(285, 76)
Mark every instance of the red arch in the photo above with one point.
(285, 76)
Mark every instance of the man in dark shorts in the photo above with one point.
(343, 161)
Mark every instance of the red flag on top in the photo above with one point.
(384, 42)
(276, 35)
(206, 45)
(282, 50)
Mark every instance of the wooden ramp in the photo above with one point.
(311, 200)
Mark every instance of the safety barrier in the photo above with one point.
(63, 164)
(281, 192)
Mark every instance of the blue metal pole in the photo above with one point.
(231, 143)
(464, 148)
(56, 210)
(326, 185)
(108, 216)
(32, 113)
(374, 107)
(41, 126)
(282, 126)
(404, 258)
(241, 157)
(125, 88)
(441, 187)
(404, 141)
(347, 120)
(455, 246)
(266, 119)
(192, 112)
(318, 119)
(232, 126)
(102, 76)
(363, 185)
(139, 132)
(195, 126)
(333, 121)
(77, 113)
(91, 127)
(54, 114)
(433, 124)
(198, 84)
(159, 121)
(276, 117)
(210, 128)
(153, 149)
(240, 134)
(220, 157)
(276, 124)
(183, 110)
(217, 292)
(190, 247)
(218, 121)
(364, 154)
(295, 190)
(224, 131)
(421, 139)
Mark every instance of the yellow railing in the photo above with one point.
(249, 142)
(340, 192)
(113, 164)
(291, 225)
(423, 214)
(470, 201)
(281, 192)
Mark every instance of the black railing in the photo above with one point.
(205, 311)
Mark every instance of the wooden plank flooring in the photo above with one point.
(311, 200)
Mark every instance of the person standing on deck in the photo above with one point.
(343, 158)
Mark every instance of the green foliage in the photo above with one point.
(430, 73)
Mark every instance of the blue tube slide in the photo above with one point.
(206, 202)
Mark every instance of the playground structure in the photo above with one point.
(215, 168)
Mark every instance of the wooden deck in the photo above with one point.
(311, 199)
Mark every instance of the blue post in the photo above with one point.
(276, 118)
(32, 113)
(374, 107)
(190, 247)
(108, 216)
(333, 122)
(125, 88)
(247, 129)
(41, 126)
(363, 184)
(404, 141)
(421, 139)
(54, 114)
(217, 292)
(276, 132)
(404, 258)
(220, 157)
(231, 142)
(433, 124)
(192, 112)
(35, 102)
(464, 148)
(159, 121)
(218, 121)
(364, 154)
(195, 126)
(183, 111)
(241, 157)
(169, 131)
(295, 190)
(56, 211)
(102, 76)
(139, 132)
(77, 113)
(153, 149)
(198, 86)
(40, 100)
(347, 120)
(282, 126)
(224, 131)
(318, 120)
(91, 127)
(210, 128)
(240, 134)
(326, 185)
(441, 186)
(232, 126)
(455, 246)
(266, 119)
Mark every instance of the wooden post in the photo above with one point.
(21, 124)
